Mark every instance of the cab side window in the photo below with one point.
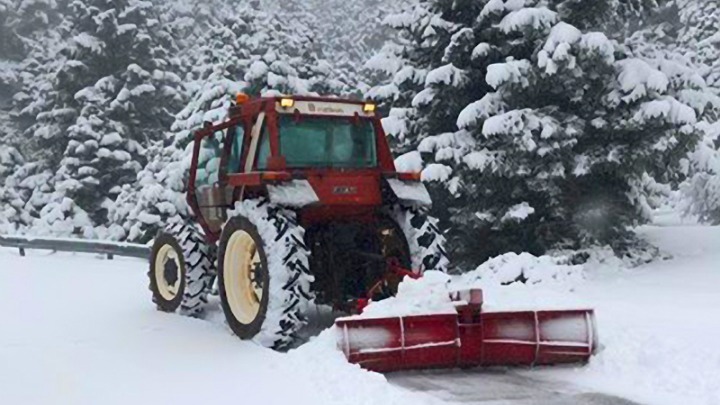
(236, 149)
(209, 160)
(263, 149)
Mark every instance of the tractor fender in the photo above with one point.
(410, 193)
(294, 193)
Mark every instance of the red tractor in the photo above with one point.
(297, 200)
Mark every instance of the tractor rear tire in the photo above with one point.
(264, 278)
(181, 270)
(425, 240)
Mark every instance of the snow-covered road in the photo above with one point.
(78, 329)
(501, 387)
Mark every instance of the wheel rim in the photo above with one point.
(167, 272)
(242, 277)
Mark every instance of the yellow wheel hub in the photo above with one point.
(241, 267)
(167, 261)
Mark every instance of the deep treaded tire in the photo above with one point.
(426, 242)
(181, 270)
(265, 244)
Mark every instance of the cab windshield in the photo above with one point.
(327, 142)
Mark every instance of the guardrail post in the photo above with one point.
(22, 251)
(109, 256)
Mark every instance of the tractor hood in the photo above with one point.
(347, 189)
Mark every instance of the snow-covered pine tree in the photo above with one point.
(156, 199)
(657, 43)
(8, 79)
(11, 51)
(614, 17)
(287, 60)
(702, 189)
(113, 92)
(242, 49)
(697, 38)
(405, 61)
(215, 62)
(29, 32)
(21, 22)
(350, 32)
(24, 196)
(697, 25)
(10, 202)
(541, 133)
(10, 44)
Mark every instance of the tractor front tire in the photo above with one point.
(263, 274)
(181, 270)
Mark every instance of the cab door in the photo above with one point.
(209, 201)
(214, 157)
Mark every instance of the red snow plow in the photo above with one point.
(469, 338)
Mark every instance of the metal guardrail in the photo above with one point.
(110, 249)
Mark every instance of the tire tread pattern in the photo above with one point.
(288, 265)
(425, 240)
(199, 267)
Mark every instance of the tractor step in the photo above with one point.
(469, 338)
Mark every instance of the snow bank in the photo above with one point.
(428, 295)
(510, 282)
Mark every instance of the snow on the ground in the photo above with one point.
(77, 329)
(659, 323)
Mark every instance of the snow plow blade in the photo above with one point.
(470, 338)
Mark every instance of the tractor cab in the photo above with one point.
(322, 142)
(327, 156)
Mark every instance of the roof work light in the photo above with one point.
(241, 98)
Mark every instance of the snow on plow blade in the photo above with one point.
(470, 338)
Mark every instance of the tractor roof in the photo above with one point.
(307, 105)
(325, 99)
